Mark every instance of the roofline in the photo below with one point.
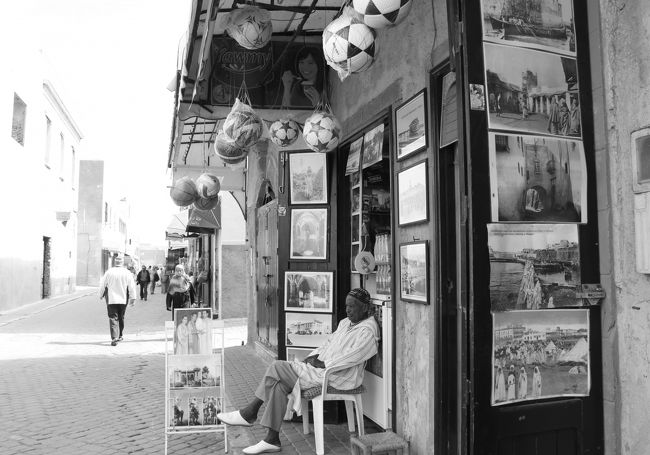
(52, 94)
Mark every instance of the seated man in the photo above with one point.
(353, 342)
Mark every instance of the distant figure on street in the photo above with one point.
(164, 280)
(117, 288)
(154, 278)
(143, 280)
(179, 286)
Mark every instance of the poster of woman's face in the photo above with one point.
(308, 178)
(540, 354)
(192, 331)
(308, 291)
(298, 80)
(307, 329)
(532, 91)
(545, 25)
(308, 234)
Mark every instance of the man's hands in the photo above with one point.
(313, 361)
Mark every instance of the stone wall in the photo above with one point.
(407, 54)
(620, 37)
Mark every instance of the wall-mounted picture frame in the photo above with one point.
(308, 178)
(414, 271)
(354, 157)
(297, 354)
(309, 234)
(307, 329)
(411, 124)
(412, 194)
(309, 291)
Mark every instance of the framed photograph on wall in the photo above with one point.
(309, 291)
(411, 124)
(308, 234)
(354, 157)
(373, 145)
(307, 329)
(308, 178)
(412, 200)
(414, 271)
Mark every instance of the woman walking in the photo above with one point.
(176, 290)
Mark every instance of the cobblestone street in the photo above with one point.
(65, 390)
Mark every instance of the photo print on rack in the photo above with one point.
(194, 407)
(540, 354)
(532, 91)
(537, 178)
(533, 266)
(192, 331)
(194, 371)
(539, 24)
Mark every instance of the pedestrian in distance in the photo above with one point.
(154, 278)
(143, 280)
(354, 341)
(117, 288)
(177, 290)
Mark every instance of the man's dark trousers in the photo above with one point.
(116, 320)
(143, 290)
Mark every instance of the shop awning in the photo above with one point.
(204, 221)
(177, 227)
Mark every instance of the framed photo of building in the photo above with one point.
(308, 178)
(411, 123)
(537, 179)
(373, 145)
(307, 329)
(540, 354)
(309, 291)
(308, 234)
(192, 331)
(414, 271)
(297, 354)
(412, 194)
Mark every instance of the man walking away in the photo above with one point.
(117, 288)
(143, 280)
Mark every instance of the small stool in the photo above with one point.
(387, 443)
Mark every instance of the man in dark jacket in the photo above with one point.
(143, 280)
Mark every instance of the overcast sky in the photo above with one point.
(114, 60)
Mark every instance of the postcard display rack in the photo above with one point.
(370, 215)
(194, 384)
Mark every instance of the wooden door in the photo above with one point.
(267, 275)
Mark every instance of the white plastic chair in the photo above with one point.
(323, 393)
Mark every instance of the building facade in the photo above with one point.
(39, 181)
(103, 225)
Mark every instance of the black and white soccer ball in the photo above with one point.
(321, 132)
(382, 13)
(348, 45)
(284, 132)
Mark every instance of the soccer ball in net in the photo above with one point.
(208, 186)
(382, 13)
(250, 26)
(183, 192)
(321, 132)
(243, 127)
(348, 45)
(284, 132)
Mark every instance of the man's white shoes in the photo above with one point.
(234, 418)
(261, 447)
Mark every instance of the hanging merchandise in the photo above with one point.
(250, 26)
(228, 151)
(208, 186)
(183, 192)
(322, 131)
(284, 132)
(206, 203)
(243, 126)
(382, 13)
(348, 44)
(364, 263)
